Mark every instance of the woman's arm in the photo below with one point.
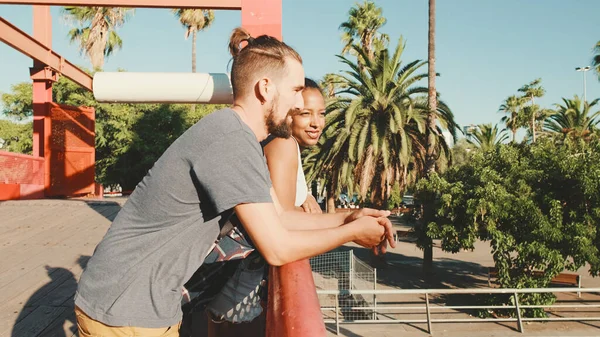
(311, 205)
(282, 159)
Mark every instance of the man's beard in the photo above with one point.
(281, 129)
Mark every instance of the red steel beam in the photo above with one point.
(29, 46)
(203, 4)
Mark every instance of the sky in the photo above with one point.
(485, 49)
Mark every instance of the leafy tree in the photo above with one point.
(129, 137)
(538, 206)
(462, 152)
(18, 103)
(152, 129)
(395, 198)
(96, 34)
(16, 137)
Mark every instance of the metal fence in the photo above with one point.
(342, 271)
(384, 312)
(16, 168)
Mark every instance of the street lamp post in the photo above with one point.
(584, 70)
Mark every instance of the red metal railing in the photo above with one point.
(18, 168)
(21, 176)
(293, 308)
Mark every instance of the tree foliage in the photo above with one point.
(486, 137)
(533, 114)
(18, 103)
(537, 204)
(462, 152)
(375, 127)
(512, 108)
(575, 119)
(16, 137)
(129, 137)
(96, 32)
(362, 29)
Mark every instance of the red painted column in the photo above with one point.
(262, 17)
(42, 77)
(293, 309)
(42, 84)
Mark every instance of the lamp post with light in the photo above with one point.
(584, 70)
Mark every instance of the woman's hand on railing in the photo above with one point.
(311, 205)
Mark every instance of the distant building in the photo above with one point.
(448, 138)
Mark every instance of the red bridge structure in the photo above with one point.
(63, 160)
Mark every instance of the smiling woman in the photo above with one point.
(283, 155)
(308, 123)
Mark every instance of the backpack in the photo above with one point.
(223, 261)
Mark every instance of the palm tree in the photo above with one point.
(574, 119)
(432, 93)
(330, 179)
(194, 20)
(534, 117)
(530, 91)
(332, 83)
(327, 163)
(596, 59)
(375, 127)
(430, 136)
(486, 137)
(96, 34)
(363, 24)
(512, 108)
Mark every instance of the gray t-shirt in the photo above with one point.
(164, 231)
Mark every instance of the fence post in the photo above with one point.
(374, 295)
(351, 270)
(337, 313)
(428, 312)
(519, 322)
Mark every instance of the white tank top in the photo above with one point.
(301, 186)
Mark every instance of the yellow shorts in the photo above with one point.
(88, 327)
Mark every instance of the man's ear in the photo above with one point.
(263, 90)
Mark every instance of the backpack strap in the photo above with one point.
(225, 223)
